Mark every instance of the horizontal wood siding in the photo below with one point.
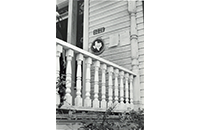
(140, 29)
(114, 16)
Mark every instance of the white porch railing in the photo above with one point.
(117, 89)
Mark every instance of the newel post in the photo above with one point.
(68, 97)
(87, 100)
(103, 101)
(96, 84)
(78, 99)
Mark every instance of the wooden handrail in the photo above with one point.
(67, 45)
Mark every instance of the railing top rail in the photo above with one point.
(67, 45)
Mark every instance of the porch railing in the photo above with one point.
(116, 82)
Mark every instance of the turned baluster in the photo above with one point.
(78, 99)
(110, 85)
(68, 97)
(131, 91)
(116, 72)
(87, 100)
(58, 52)
(96, 84)
(121, 90)
(126, 90)
(103, 101)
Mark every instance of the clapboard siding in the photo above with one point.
(139, 20)
(114, 51)
(103, 15)
(114, 16)
(97, 21)
(141, 39)
(109, 6)
(142, 79)
(141, 92)
(141, 65)
(110, 33)
(111, 22)
(141, 71)
(116, 26)
(141, 51)
(142, 86)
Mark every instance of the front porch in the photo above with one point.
(93, 83)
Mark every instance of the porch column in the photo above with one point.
(87, 101)
(96, 84)
(68, 97)
(78, 99)
(110, 85)
(103, 102)
(134, 52)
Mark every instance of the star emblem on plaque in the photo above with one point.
(97, 46)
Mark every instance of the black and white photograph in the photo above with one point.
(99, 65)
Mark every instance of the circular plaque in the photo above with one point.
(97, 46)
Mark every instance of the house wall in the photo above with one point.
(115, 18)
(112, 15)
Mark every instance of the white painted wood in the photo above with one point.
(141, 45)
(58, 52)
(110, 7)
(103, 102)
(134, 47)
(110, 86)
(86, 25)
(131, 91)
(78, 99)
(88, 54)
(126, 90)
(114, 27)
(87, 100)
(109, 14)
(136, 90)
(116, 72)
(68, 97)
(114, 40)
(106, 21)
(96, 84)
(121, 107)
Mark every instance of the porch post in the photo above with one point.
(134, 53)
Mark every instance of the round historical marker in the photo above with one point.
(97, 46)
